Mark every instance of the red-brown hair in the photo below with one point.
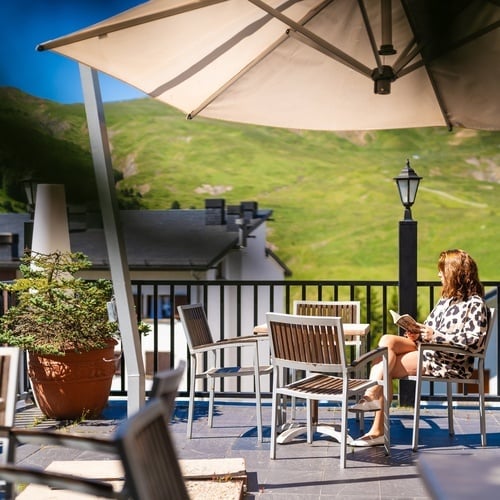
(460, 275)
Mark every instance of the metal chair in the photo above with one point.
(9, 374)
(200, 341)
(142, 442)
(478, 379)
(165, 384)
(350, 312)
(315, 345)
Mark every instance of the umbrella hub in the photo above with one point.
(382, 77)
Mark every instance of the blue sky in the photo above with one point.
(26, 23)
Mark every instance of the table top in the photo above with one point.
(350, 329)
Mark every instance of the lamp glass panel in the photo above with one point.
(412, 190)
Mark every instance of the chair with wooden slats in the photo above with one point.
(315, 345)
(9, 375)
(200, 341)
(165, 384)
(142, 443)
(348, 310)
(478, 379)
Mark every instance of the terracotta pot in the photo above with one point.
(74, 385)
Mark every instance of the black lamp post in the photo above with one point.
(407, 182)
(30, 189)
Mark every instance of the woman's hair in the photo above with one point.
(460, 275)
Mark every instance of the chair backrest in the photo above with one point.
(148, 455)
(307, 342)
(195, 323)
(348, 310)
(491, 321)
(9, 374)
(165, 384)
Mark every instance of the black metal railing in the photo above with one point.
(234, 307)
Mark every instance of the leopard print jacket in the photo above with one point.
(459, 323)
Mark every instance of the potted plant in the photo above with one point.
(62, 321)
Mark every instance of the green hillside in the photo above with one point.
(336, 207)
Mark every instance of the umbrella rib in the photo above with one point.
(369, 32)
(230, 82)
(407, 55)
(186, 74)
(101, 31)
(327, 48)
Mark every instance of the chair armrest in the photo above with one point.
(24, 474)
(448, 348)
(57, 438)
(245, 339)
(250, 341)
(368, 356)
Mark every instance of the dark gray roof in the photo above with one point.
(154, 239)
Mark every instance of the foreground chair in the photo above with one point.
(144, 445)
(165, 385)
(478, 379)
(9, 374)
(200, 341)
(315, 345)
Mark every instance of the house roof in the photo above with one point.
(154, 239)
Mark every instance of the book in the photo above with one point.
(405, 321)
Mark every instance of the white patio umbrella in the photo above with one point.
(306, 64)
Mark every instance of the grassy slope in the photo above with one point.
(335, 204)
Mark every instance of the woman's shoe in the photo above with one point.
(367, 440)
(366, 405)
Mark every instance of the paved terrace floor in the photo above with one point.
(301, 471)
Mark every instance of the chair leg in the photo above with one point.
(274, 417)
(482, 415)
(343, 433)
(449, 397)
(416, 415)
(189, 430)
(293, 377)
(309, 411)
(258, 406)
(211, 397)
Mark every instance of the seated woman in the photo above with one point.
(459, 318)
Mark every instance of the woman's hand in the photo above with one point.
(426, 333)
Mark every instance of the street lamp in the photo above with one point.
(407, 182)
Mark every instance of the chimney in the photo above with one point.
(215, 212)
(233, 214)
(248, 210)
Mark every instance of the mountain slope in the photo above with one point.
(335, 202)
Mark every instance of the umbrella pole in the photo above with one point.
(117, 256)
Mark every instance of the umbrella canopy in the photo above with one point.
(308, 64)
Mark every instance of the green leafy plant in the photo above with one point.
(56, 311)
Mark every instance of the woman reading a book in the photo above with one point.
(459, 318)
